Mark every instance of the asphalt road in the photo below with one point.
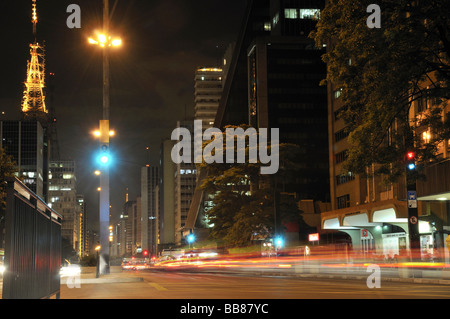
(177, 285)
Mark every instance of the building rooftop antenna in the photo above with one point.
(34, 18)
(33, 103)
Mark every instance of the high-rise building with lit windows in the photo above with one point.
(83, 223)
(184, 185)
(207, 93)
(166, 210)
(273, 81)
(63, 198)
(149, 198)
(24, 141)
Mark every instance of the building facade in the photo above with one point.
(273, 81)
(25, 142)
(207, 93)
(63, 198)
(166, 190)
(149, 180)
(185, 180)
(83, 248)
(374, 215)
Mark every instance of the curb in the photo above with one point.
(105, 280)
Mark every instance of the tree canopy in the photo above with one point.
(7, 169)
(382, 71)
(243, 198)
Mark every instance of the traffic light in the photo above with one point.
(278, 242)
(145, 253)
(191, 238)
(104, 157)
(411, 160)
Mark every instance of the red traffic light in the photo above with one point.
(410, 155)
(145, 253)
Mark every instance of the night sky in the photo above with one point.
(152, 76)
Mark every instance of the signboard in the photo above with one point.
(314, 237)
(447, 241)
(364, 233)
(412, 199)
(413, 220)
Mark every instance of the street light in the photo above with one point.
(105, 41)
(97, 249)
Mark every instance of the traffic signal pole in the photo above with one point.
(413, 215)
(104, 147)
(104, 200)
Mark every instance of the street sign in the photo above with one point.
(413, 220)
(412, 199)
(313, 237)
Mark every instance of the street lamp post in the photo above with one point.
(105, 42)
(97, 272)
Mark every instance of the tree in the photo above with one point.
(243, 198)
(382, 71)
(7, 170)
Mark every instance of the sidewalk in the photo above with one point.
(116, 285)
(116, 275)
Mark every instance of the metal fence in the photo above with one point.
(32, 245)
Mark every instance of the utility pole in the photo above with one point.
(411, 180)
(104, 146)
(105, 41)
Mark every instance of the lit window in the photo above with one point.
(290, 13)
(426, 136)
(267, 26)
(337, 93)
(275, 19)
(67, 176)
(310, 14)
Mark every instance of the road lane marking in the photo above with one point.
(157, 287)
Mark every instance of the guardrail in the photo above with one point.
(32, 245)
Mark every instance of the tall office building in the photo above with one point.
(207, 92)
(184, 187)
(149, 180)
(132, 235)
(285, 71)
(166, 208)
(83, 223)
(63, 198)
(24, 141)
(273, 82)
(123, 232)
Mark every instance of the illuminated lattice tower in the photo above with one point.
(33, 102)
